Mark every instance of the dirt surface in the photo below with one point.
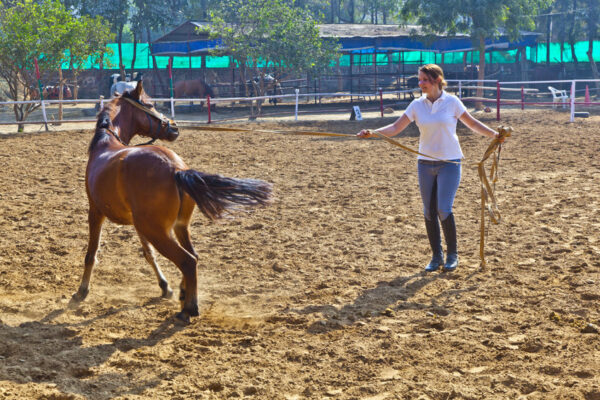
(322, 294)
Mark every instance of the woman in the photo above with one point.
(436, 114)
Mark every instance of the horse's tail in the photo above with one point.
(216, 194)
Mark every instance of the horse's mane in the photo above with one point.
(103, 122)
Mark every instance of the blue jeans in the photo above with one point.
(438, 182)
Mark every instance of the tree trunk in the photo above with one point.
(120, 46)
(135, 40)
(19, 117)
(161, 83)
(61, 85)
(481, 73)
(332, 9)
(75, 86)
(593, 65)
(571, 37)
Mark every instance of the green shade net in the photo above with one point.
(537, 54)
(143, 59)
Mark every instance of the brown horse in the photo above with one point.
(151, 188)
(195, 88)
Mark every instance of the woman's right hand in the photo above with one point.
(364, 134)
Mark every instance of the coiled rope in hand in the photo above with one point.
(488, 198)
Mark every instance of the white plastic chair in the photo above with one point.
(558, 96)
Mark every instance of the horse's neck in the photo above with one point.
(120, 131)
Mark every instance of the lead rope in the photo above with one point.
(488, 199)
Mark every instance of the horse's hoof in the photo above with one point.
(182, 317)
(80, 295)
(193, 311)
(167, 293)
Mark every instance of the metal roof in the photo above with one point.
(185, 40)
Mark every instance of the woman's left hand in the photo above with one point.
(503, 133)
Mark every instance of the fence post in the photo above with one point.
(381, 101)
(522, 98)
(296, 108)
(170, 65)
(44, 113)
(572, 101)
(208, 106)
(497, 100)
(460, 89)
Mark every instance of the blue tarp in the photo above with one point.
(439, 46)
(184, 48)
(360, 44)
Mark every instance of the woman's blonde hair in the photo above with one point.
(434, 72)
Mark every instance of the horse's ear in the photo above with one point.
(139, 89)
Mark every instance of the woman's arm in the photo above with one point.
(477, 126)
(389, 130)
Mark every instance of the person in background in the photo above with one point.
(436, 114)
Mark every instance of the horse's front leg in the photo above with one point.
(95, 220)
(167, 292)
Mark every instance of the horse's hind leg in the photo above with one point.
(95, 220)
(167, 292)
(186, 262)
(182, 224)
(182, 232)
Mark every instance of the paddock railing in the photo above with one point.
(518, 94)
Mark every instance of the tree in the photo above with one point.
(132, 19)
(262, 35)
(591, 20)
(32, 31)
(481, 19)
(569, 23)
(87, 39)
(116, 12)
(153, 15)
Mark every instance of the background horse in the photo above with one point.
(151, 188)
(195, 88)
(120, 87)
(272, 87)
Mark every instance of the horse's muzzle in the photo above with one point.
(172, 133)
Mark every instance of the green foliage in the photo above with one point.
(273, 32)
(88, 40)
(481, 19)
(42, 31)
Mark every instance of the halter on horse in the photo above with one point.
(151, 188)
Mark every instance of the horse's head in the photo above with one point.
(143, 119)
(209, 91)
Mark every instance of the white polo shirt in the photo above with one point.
(437, 125)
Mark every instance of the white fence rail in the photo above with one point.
(458, 85)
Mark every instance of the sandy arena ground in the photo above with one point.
(322, 294)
